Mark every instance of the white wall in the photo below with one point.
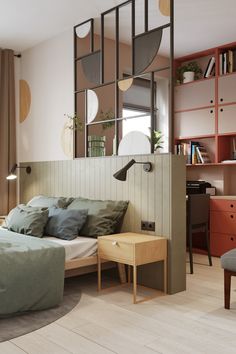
(48, 69)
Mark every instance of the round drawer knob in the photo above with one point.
(231, 216)
(212, 111)
(222, 110)
(211, 101)
(114, 243)
(231, 205)
(221, 100)
(232, 239)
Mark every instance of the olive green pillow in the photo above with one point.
(42, 201)
(27, 220)
(104, 216)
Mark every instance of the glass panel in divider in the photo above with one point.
(101, 140)
(80, 128)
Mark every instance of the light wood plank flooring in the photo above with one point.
(189, 322)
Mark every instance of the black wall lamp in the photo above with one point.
(121, 175)
(12, 175)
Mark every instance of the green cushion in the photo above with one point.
(27, 220)
(104, 216)
(65, 224)
(41, 201)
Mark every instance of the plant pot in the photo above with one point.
(188, 76)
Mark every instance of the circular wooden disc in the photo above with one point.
(25, 100)
(164, 7)
(124, 85)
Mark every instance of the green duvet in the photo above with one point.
(31, 273)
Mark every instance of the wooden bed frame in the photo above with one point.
(79, 266)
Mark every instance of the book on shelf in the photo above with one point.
(210, 67)
(203, 154)
(227, 62)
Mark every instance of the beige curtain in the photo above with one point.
(7, 130)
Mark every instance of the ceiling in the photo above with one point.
(198, 24)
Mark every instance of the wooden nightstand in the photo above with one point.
(2, 219)
(134, 250)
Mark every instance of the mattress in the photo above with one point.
(80, 247)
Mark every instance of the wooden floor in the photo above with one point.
(189, 322)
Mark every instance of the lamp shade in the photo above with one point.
(121, 175)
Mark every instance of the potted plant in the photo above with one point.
(157, 137)
(189, 72)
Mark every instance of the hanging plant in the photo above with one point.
(74, 122)
(109, 115)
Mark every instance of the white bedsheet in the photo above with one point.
(80, 247)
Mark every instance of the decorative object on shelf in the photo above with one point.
(189, 72)
(12, 175)
(121, 175)
(164, 7)
(25, 100)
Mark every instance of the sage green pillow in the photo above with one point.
(27, 220)
(42, 201)
(104, 216)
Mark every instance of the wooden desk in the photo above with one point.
(134, 250)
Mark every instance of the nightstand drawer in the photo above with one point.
(116, 250)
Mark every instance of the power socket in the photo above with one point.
(147, 225)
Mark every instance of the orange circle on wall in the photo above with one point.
(25, 100)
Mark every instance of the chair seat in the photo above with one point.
(228, 260)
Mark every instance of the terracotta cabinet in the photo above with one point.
(227, 120)
(222, 226)
(197, 94)
(195, 123)
(227, 89)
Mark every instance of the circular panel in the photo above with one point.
(164, 7)
(83, 30)
(67, 136)
(124, 85)
(134, 143)
(25, 100)
(92, 105)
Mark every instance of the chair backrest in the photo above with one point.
(198, 208)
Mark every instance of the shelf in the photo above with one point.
(194, 81)
(211, 164)
(211, 136)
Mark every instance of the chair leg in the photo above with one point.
(208, 246)
(227, 287)
(190, 246)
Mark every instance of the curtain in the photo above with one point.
(7, 130)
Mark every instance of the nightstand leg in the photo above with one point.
(99, 275)
(134, 283)
(129, 274)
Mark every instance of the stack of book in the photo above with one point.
(228, 62)
(194, 152)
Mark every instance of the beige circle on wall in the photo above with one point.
(25, 100)
(164, 7)
(124, 85)
(67, 140)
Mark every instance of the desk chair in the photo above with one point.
(198, 208)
